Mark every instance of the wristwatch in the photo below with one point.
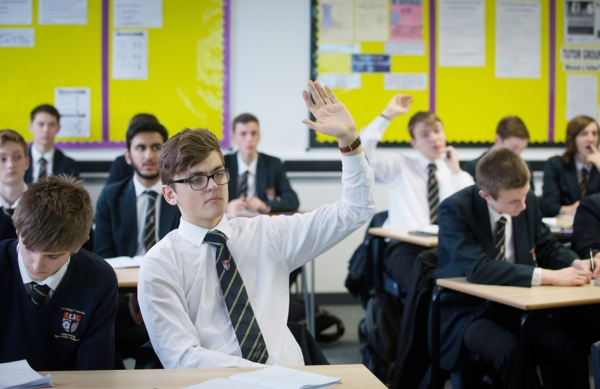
(353, 146)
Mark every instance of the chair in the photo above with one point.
(147, 358)
(596, 364)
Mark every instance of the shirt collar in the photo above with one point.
(36, 155)
(242, 167)
(195, 234)
(580, 166)
(495, 216)
(424, 162)
(140, 189)
(51, 281)
(6, 205)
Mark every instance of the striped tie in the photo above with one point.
(243, 187)
(43, 169)
(150, 224)
(39, 294)
(433, 193)
(499, 248)
(242, 317)
(583, 184)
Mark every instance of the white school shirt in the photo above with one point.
(580, 166)
(179, 292)
(509, 243)
(407, 179)
(53, 281)
(141, 204)
(36, 155)
(251, 169)
(6, 205)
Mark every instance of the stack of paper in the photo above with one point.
(122, 262)
(19, 375)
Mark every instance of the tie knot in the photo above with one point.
(152, 194)
(584, 173)
(432, 167)
(39, 294)
(502, 221)
(215, 237)
(43, 161)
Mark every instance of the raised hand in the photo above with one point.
(398, 105)
(333, 118)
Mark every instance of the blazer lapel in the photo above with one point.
(29, 172)
(594, 181)
(233, 177)
(261, 178)
(127, 206)
(483, 222)
(57, 162)
(523, 253)
(573, 181)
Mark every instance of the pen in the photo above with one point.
(591, 260)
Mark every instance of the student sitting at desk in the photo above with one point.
(44, 157)
(574, 175)
(416, 185)
(215, 292)
(13, 165)
(586, 229)
(492, 233)
(512, 134)
(258, 181)
(59, 301)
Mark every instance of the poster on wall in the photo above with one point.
(406, 28)
(73, 104)
(579, 23)
(138, 13)
(130, 55)
(582, 95)
(371, 18)
(15, 11)
(462, 33)
(337, 22)
(65, 12)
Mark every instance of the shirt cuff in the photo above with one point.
(356, 162)
(536, 279)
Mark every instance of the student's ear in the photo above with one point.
(413, 142)
(169, 194)
(27, 161)
(497, 140)
(484, 195)
(127, 157)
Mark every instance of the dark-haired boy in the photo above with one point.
(215, 292)
(258, 181)
(60, 301)
(492, 233)
(131, 216)
(44, 158)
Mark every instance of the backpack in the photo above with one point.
(325, 321)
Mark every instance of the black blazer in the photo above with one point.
(561, 185)
(466, 249)
(116, 230)
(61, 164)
(7, 228)
(586, 227)
(272, 185)
(471, 166)
(119, 170)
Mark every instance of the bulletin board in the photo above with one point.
(470, 100)
(187, 80)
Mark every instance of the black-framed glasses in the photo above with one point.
(200, 181)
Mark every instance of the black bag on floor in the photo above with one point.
(325, 321)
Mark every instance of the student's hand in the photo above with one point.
(451, 157)
(594, 157)
(597, 265)
(333, 118)
(569, 210)
(568, 276)
(256, 204)
(237, 206)
(398, 105)
(134, 309)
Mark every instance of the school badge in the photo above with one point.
(270, 193)
(70, 321)
(226, 263)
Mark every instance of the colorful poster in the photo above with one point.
(366, 63)
(406, 21)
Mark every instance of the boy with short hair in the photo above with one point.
(45, 159)
(215, 292)
(418, 184)
(60, 300)
(492, 233)
(13, 165)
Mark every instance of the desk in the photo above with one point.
(353, 376)
(547, 298)
(127, 277)
(402, 234)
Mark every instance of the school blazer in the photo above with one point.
(471, 167)
(561, 185)
(61, 164)
(466, 249)
(586, 227)
(272, 185)
(116, 230)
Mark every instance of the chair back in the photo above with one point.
(596, 364)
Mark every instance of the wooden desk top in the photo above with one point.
(128, 277)
(527, 299)
(402, 234)
(353, 376)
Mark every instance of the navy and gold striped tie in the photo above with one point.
(39, 294)
(43, 169)
(583, 184)
(500, 238)
(242, 317)
(433, 193)
(150, 224)
(243, 186)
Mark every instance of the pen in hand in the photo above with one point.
(591, 261)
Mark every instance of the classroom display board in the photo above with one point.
(471, 61)
(102, 61)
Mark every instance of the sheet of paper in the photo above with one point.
(341, 81)
(367, 63)
(124, 262)
(581, 67)
(518, 39)
(337, 21)
(130, 55)
(335, 48)
(17, 37)
(20, 373)
(582, 95)
(137, 13)
(404, 48)
(16, 11)
(461, 29)
(406, 21)
(405, 81)
(580, 54)
(62, 12)
(579, 23)
(74, 107)
(371, 20)
(277, 377)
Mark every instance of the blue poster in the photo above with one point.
(368, 63)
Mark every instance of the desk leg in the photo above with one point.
(524, 350)
(435, 339)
